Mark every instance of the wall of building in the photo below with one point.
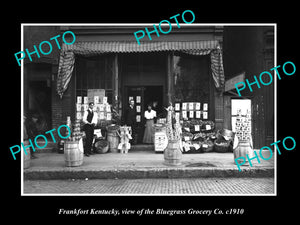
(250, 49)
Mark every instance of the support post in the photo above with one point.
(170, 82)
(116, 82)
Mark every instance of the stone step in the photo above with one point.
(53, 147)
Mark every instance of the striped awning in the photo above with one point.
(68, 52)
(98, 47)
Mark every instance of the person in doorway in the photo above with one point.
(156, 109)
(31, 125)
(89, 120)
(149, 115)
(155, 105)
(130, 119)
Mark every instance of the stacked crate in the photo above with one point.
(191, 110)
(103, 109)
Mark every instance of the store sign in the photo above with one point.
(230, 84)
(98, 93)
(260, 153)
(35, 141)
(142, 32)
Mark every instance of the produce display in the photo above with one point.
(195, 131)
(198, 136)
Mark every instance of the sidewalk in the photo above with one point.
(145, 164)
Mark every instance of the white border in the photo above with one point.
(149, 24)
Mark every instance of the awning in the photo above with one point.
(98, 47)
(68, 52)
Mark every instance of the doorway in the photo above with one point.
(142, 96)
(39, 101)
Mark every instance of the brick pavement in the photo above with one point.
(190, 186)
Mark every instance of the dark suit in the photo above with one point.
(130, 116)
(130, 120)
(89, 132)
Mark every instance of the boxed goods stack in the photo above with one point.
(76, 133)
(102, 108)
(160, 137)
(191, 110)
(243, 126)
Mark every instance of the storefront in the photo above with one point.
(184, 66)
(183, 70)
(166, 71)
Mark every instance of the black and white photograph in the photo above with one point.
(140, 112)
(148, 109)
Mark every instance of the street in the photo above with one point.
(196, 186)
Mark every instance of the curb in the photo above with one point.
(144, 173)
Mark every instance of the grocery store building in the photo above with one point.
(189, 64)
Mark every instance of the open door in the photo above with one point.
(142, 96)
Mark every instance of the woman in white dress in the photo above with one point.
(149, 126)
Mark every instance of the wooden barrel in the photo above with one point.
(242, 150)
(113, 140)
(73, 156)
(173, 154)
(26, 158)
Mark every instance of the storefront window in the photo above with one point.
(94, 73)
(191, 78)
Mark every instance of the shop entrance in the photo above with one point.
(39, 101)
(142, 96)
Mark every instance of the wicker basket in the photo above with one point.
(222, 146)
(101, 146)
(207, 146)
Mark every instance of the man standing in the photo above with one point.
(31, 130)
(89, 120)
(130, 119)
